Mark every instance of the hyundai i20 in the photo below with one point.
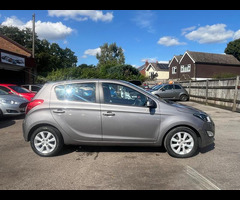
(112, 112)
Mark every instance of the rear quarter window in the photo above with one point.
(177, 87)
(80, 92)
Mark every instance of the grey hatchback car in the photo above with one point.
(112, 112)
(170, 91)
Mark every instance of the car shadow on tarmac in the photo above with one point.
(9, 121)
(67, 149)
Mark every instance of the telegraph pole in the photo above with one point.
(33, 46)
(33, 35)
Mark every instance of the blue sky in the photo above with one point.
(153, 35)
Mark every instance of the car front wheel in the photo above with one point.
(181, 142)
(183, 97)
(46, 141)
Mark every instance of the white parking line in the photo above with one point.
(200, 179)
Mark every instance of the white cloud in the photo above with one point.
(52, 31)
(145, 19)
(149, 59)
(216, 33)
(82, 15)
(236, 35)
(13, 21)
(169, 41)
(91, 52)
(154, 60)
(185, 30)
(44, 30)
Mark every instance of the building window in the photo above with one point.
(174, 70)
(185, 68)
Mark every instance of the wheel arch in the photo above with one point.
(40, 125)
(183, 125)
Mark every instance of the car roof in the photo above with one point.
(86, 80)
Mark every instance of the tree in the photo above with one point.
(48, 56)
(111, 55)
(124, 72)
(233, 48)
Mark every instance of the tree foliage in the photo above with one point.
(233, 48)
(121, 72)
(55, 63)
(111, 55)
(49, 56)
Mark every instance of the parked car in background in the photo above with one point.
(18, 90)
(32, 88)
(170, 91)
(11, 105)
(111, 112)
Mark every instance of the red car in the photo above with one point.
(15, 89)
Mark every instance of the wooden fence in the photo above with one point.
(223, 93)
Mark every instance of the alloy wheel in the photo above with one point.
(182, 143)
(45, 142)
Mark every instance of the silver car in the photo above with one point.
(170, 91)
(112, 112)
(11, 105)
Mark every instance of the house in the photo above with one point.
(16, 62)
(159, 70)
(200, 65)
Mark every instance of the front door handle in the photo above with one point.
(109, 114)
(59, 111)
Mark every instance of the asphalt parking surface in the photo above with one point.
(122, 168)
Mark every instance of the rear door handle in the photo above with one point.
(109, 114)
(59, 111)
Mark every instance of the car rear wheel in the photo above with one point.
(46, 141)
(181, 142)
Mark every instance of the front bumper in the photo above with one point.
(207, 134)
(9, 110)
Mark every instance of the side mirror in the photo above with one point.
(151, 103)
(163, 89)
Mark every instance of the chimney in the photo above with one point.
(146, 63)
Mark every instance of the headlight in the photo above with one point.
(203, 117)
(8, 101)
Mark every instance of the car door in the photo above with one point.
(125, 116)
(76, 108)
(167, 92)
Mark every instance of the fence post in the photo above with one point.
(206, 92)
(189, 88)
(234, 108)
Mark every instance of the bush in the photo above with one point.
(122, 72)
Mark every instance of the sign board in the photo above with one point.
(12, 59)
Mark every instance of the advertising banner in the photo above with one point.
(12, 59)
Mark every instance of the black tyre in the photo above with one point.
(181, 142)
(183, 97)
(46, 141)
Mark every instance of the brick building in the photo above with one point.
(201, 65)
(16, 62)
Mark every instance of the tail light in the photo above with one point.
(33, 104)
